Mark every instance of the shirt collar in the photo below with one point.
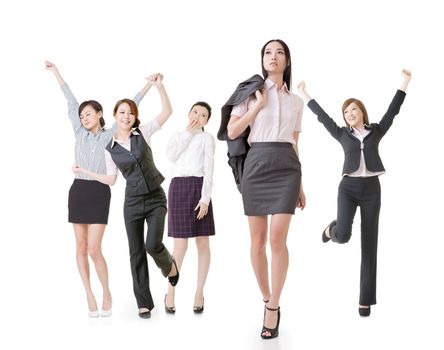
(133, 132)
(268, 84)
(366, 127)
(102, 129)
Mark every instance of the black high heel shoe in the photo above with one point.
(174, 279)
(325, 238)
(168, 309)
(199, 309)
(364, 311)
(274, 332)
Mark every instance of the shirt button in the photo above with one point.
(136, 165)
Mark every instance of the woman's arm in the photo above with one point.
(141, 94)
(395, 106)
(73, 105)
(53, 68)
(105, 179)
(167, 110)
(301, 200)
(323, 117)
(405, 83)
(237, 124)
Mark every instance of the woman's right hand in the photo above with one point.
(77, 169)
(50, 66)
(192, 125)
(261, 98)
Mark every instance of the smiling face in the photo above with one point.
(354, 116)
(200, 114)
(354, 113)
(124, 116)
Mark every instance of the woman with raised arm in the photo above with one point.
(360, 183)
(89, 200)
(271, 181)
(145, 200)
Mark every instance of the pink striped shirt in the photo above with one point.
(278, 119)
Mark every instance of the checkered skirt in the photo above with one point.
(183, 196)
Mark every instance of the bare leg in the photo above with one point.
(81, 234)
(258, 235)
(95, 235)
(203, 265)
(180, 248)
(279, 264)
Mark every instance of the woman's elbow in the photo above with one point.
(231, 133)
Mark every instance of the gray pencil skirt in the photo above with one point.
(271, 179)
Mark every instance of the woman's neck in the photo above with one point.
(278, 79)
(122, 135)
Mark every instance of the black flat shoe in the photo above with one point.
(325, 238)
(168, 309)
(274, 332)
(174, 279)
(145, 314)
(364, 311)
(199, 309)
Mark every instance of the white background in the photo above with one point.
(204, 48)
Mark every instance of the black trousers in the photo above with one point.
(365, 193)
(152, 209)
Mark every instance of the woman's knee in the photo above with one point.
(94, 251)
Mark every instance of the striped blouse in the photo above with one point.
(89, 147)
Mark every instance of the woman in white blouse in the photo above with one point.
(271, 182)
(190, 212)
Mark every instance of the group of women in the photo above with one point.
(271, 184)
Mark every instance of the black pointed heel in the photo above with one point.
(199, 309)
(274, 332)
(325, 238)
(174, 279)
(168, 309)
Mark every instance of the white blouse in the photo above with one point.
(192, 154)
(278, 119)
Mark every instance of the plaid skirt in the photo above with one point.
(183, 197)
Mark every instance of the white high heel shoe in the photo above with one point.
(107, 313)
(93, 314)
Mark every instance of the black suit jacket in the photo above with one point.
(351, 145)
(238, 147)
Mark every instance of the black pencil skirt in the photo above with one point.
(271, 179)
(88, 202)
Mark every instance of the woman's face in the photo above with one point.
(200, 114)
(125, 118)
(353, 115)
(89, 118)
(274, 60)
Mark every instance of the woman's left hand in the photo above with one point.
(203, 210)
(301, 200)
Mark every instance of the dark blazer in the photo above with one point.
(351, 145)
(137, 166)
(238, 147)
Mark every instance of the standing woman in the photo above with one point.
(190, 211)
(89, 200)
(145, 200)
(271, 182)
(360, 182)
